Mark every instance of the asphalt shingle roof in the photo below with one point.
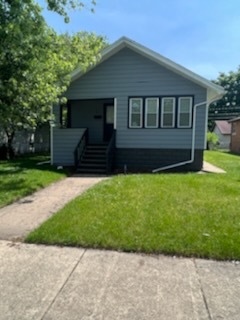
(223, 126)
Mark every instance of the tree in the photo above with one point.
(61, 6)
(229, 106)
(21, 27)
(212, 140)
(230, 103)
(35, 64)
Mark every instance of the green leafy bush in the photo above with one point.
(212, 140)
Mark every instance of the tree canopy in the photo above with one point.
(35, 64)
(61, 6)
(229, 105)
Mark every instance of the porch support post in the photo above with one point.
(115, 114)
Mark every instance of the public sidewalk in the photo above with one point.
(42, 283)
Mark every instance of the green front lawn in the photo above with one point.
(181, 214)
(23, 176)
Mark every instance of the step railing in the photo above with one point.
(110, 153)
(80, 148)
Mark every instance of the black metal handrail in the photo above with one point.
(80, 148)
(110, 153)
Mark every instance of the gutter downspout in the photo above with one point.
(51, 136)
(191, 160)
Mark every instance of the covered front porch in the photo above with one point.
(84, 135)
(96, 115)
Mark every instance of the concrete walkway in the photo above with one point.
(43, 283)
(210, 168)
(19, 218)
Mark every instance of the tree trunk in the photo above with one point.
(10, 151)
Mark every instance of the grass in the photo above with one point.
(178, 214)
(22, 176)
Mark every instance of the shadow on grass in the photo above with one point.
(13, 190)
(232, 153)
(23, 176)
(19, 184)
(27, 162)
(10, 171)
(227, 152)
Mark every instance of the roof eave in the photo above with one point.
(214, 94)
(234, 119)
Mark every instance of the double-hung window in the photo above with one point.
(151, 112)
(168, 112)
(136, 113)
(185, 112)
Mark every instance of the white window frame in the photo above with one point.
(190, 113)
(146, 112)
(130, 113)
(174, 112)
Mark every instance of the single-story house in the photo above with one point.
(222, 128)
(134, 111)
(235, 135)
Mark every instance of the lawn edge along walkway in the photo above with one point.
(23, 216)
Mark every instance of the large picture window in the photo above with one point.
(168, 113)
(135, 113)
(151, 112)
(185, 112)
(160, 112)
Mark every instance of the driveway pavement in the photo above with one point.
(45, 283)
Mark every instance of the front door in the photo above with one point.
(108, 121)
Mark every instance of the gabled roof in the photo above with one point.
(214, 92)
(223, 126)
(234, 119)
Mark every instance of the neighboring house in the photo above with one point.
(235, 135)
(27, 141)
(222, 129)
(134, 111)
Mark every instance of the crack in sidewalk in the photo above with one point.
(63, 285)
(202, 291)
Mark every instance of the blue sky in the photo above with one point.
(202, 35)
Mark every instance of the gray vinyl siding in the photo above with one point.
(64, 144)
(129, 74)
